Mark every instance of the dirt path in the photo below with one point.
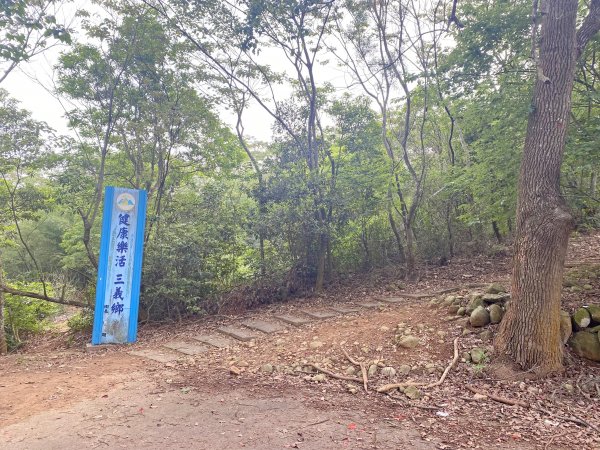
(114, 400)
(139, 416)
(263, 394)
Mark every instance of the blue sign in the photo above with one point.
(119, 266)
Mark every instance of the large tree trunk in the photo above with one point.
(530, 333)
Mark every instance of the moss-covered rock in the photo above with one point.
(412, 392)
(477, 355)
(495, 288)
(594, 311)
(486, 335)
(496, 298)
(449, 300)
(594, 329)
(453, 309)
(581, 319)
(474, 302)
(407, 341)
(480, 317)
(586, 345)
(496, 313)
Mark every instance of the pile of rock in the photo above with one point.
(481, 308)
(581, 330)
(586, 339)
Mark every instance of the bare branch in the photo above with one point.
(62, 301)
(589, 27)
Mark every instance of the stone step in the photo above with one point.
(371, 305)
(418, 296)
(161, 356)
(214, 340)
(344, 309)
(241, 334)
(392, 300)
(186, 347)
(293, 320)
(319, 314)
(263, 326)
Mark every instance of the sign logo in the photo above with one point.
(125, 202)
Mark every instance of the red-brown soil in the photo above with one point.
(52, 396)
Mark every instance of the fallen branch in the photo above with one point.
(573, 419)
(20, 293)
(447, 370)
(391, 387)
(498, 399)
(334, 375)
(363, 369)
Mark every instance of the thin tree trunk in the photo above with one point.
(530, 333)
(365, 244)
(496, 231)
(394, 228)
(3, 343)
(322, 249)
(449, 228)
(410, 249)
(329, 271)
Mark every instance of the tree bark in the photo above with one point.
(28, 294)
(321, 256)
(449, 208)
(530, 332)
(497, 231)
(394, 228)
(3, 343)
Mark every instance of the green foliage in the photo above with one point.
(81, 321)
(200, 249)
(148, 110)
(26, 26)
(25, 316)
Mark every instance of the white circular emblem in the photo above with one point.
(125, 202)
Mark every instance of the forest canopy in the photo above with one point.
(413, 159)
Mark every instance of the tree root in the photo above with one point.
(334, 375)
(363, 369)
(390, 387)
(447, 370)
(498, 399)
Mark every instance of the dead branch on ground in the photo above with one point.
(363, 369)
(334, 375)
